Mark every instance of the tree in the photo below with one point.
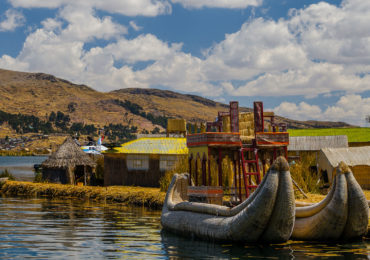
(52, 116)
(156, 130)
(72, 107)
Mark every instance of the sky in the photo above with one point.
(306, 60)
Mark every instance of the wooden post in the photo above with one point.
(240, 178)
(209, 167)
(235, 179)
(85, 182)
(196, 170)
(190, 160)
(204, 169)
(219, 167)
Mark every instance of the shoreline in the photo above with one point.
(152, 198)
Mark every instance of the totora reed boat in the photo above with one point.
(342, 215)
(266, 216)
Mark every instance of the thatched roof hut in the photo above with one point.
(68, 165)
(357, 158)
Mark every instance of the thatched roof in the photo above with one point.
(352, 156)
(69, 154)
(316, 143)
(169, 145)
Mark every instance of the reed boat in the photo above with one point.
(266, 216)
(342, 215)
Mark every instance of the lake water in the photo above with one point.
(67, 229)
(21, 167)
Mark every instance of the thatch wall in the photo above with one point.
(55, 175)
(362, 175)
(114, 166)
(116, 172)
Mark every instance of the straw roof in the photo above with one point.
(170, 145)
(316, 143)
(352, 156)
(69, 154)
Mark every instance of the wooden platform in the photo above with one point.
(272, 139)
(220, 139)
(205, 194)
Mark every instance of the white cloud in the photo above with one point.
(334, 34)
(315, 79)
(233, 4)
(13, 64)
(13, 19)
(84, 25)
(317, 50)
(352, 109)
(135, 26)
(261, 45)
(302, 111)
(142, 48)
(125, 7)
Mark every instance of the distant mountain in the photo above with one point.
(40, 94)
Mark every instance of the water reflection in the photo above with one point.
(43, 228)
(181, 247)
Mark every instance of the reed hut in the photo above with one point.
(68, 165)
(306, 146)
(143, 162)
(357, 158)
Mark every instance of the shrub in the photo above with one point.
(7, 174)
(38, 177)
(98, 177)
(180, 167)
(307, 180)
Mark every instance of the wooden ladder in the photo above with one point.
(248, 169)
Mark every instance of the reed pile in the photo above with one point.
(139, 196)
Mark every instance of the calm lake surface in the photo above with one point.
(65, 229)
(21, 167)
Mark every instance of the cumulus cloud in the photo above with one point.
(316, 50)
(233, 4)
(349, 108)
(12, 20)
(302, 111)
(125, 7)
(135, 26)
(142, 48)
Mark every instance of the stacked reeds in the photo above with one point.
(246, 126)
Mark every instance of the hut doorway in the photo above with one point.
(79, 173)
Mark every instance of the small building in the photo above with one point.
(316, 143)
(357, 158)
(68, 165)
(143, 162)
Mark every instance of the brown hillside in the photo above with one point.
(39, 94)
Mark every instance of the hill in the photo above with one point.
(40, 94)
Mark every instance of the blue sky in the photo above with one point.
(307, 60)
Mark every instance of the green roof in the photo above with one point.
(169, 145)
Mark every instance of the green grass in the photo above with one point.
(360, 134)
